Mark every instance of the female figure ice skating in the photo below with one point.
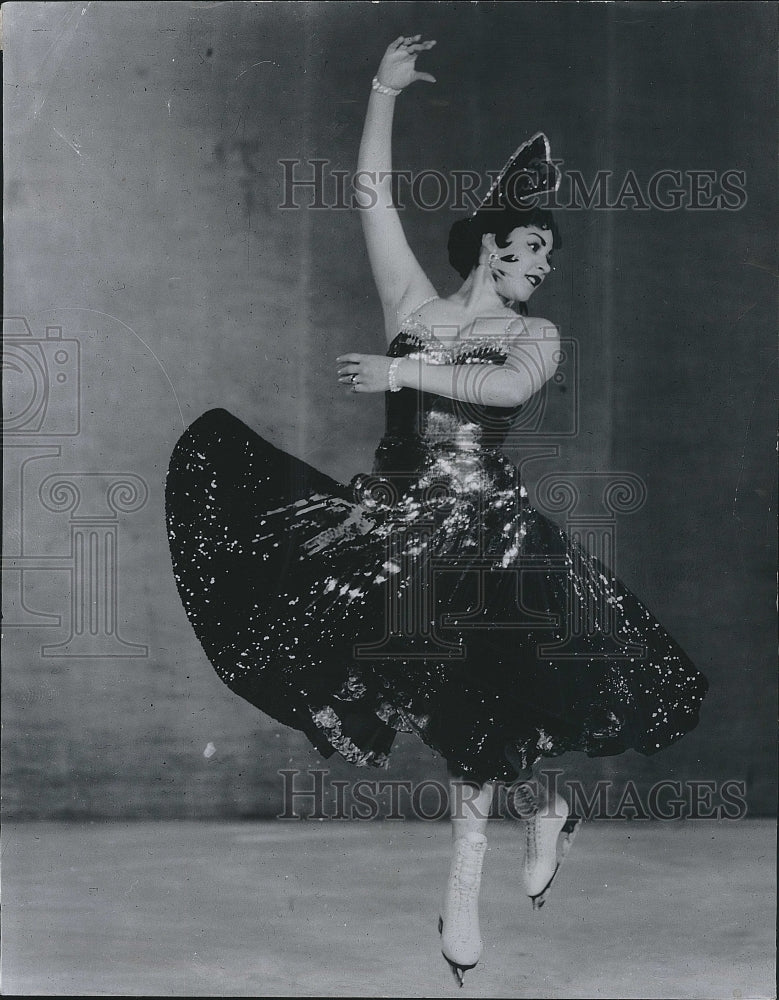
(352, 612)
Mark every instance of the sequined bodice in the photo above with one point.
(426, 433)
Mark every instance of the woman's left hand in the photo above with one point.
(364, 372)
(396, 69)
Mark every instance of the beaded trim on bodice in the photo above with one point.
(468, 347)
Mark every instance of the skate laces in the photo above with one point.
(528, 805)
(526, 801)
(468, 861)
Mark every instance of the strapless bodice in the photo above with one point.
(457, 444)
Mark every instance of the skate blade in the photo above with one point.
(565, 839)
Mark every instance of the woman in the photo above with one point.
(424, 598)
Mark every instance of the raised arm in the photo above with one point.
(400, 281)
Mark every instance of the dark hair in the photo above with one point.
(466, 234)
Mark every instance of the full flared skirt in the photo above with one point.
(471, 620)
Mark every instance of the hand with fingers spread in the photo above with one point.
(397, 69)
(364, 372)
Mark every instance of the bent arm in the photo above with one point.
(530, 363)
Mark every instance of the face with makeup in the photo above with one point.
(523, 263)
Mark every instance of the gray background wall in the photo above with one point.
(142, 184)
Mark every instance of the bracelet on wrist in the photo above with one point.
(381, 89)
(392, 375)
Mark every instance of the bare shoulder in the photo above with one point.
(535, 328)
(534, 345)
(417, 294)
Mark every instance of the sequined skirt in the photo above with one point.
(455, 611)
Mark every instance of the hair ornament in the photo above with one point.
(528, 173)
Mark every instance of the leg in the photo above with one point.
(470, 806)
(549, 832)
(461, 942)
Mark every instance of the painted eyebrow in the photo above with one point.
(534, 233)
